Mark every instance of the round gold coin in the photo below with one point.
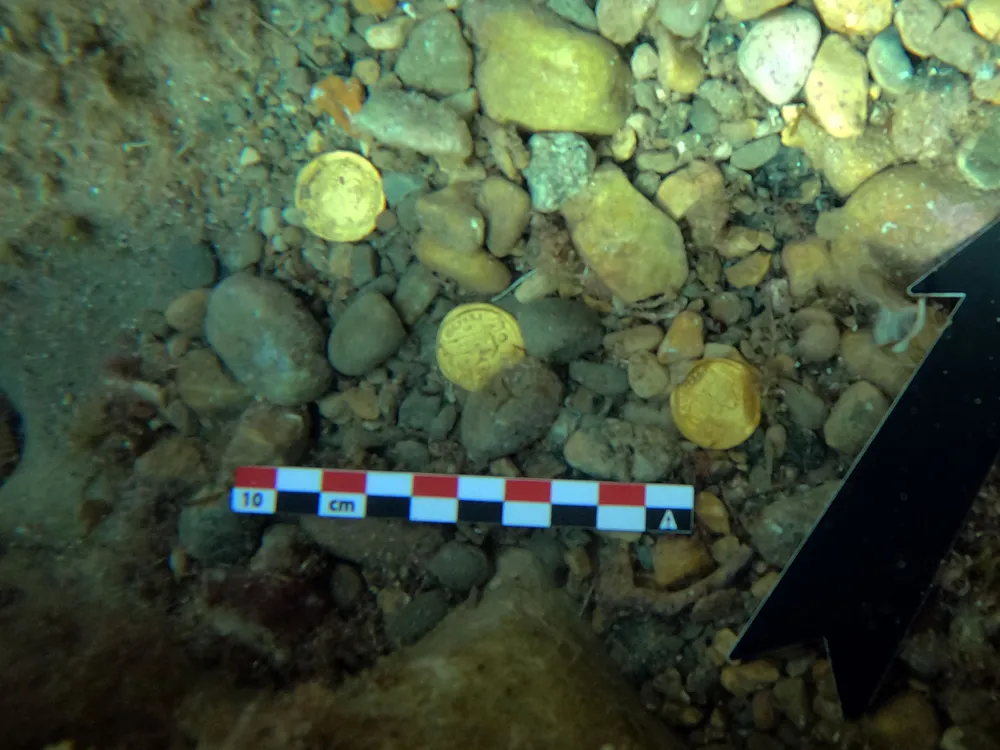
(718, 404)
(475, 342)
(340, 196)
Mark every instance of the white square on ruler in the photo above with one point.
(481, 488)
(389, 484)
(537, 515)
(621, 518)
(253, 501)
(669, 496)
(566, 492)
(434, 509)
(341, 505)
(299, 479)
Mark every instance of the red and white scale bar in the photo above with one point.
(447, 498)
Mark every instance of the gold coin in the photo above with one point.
(475, 342)
(718, 404)
(340, 196)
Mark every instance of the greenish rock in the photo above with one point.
(436, 58)
(888, 62)
(586, 88)
(979, 159)
(633, 247)
(756, 154)
(411, 120)
(560, 167)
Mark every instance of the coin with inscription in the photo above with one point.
(717, 406)
(475, 342)
(340, 196)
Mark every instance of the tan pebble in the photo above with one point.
(722, 643)
(685, 338)
(661, 162)
(855, 417)
(837, 88)
(819, 337)
(679, 192)
(807, 265)
(623, 344)
(750, 271)
(711, 512)
(678, 560)
(985, 18)
(907, 721)
(187, 312)
(383, 8)
(987, 90)
(954, 43)
(451, 217)
(741, 241)
(249, 156)
(363, 401)
(860, 17)
(507, 208)
(623, 143)
(646, 376)
(477, 272)
(690, 716)
(579, 563)
(865, 359)
(389, 34)
(763, 585)
(747, 678)
(725, 549)
(534, 287)
(765, 716)
(746, 10)
(776, 440)
(915, 21)
(645, 62)
(504, 467)
(621, 20)
(680, 68)
(367, 70)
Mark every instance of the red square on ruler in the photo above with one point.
(255, 477)
(528, 490)
(622, 493)
(335, 480)
(435, 485)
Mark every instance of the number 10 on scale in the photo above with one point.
(254, 501)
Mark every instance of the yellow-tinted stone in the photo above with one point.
(837, 88)
(681, 69)
(685, 338)
(910, 216)
(845, 162)
(679, 192)
(748, 677)
(678, 559)
(475, 342)
(507, 208)
(907, 722)
(745, 10)
(718, 404)
(381, 8)
(711, 512)
(646, 376)
(987, 90)
(632, 246)
(477, 272)
(915, 21)
(340, 196)
(750, 271)
(985, 18)
(861, 17)
(450, 216)
(807, 264)
(542, 73)
(741, 241)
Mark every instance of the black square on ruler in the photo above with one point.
(298, 502)
(388, 507)
(475, 511)
(683, 518)
(574, 515)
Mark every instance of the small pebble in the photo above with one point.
(678, 560)
(685, 338)
(855, 417)
(645, 62)
(888, 62)
(560, 330)
(417, 618)
(417, 289)
(711, 512)
(807, 265)
(837, 88)
(561, 165)
(389, 34)
(685, 18)
(460, 567)
(749, 677)
(860, 17)
(606, 379)
(187, 312)
(750, 271)
(756, 154)
(643, 338)
(436, 58)
(365, 335)
(646, 376)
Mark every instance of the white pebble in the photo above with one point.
(778, 53)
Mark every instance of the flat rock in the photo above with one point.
(366, 335)
(411, 120)
(560, 330)
(778, 53)
(436, 58)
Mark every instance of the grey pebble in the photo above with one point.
(560, 167)
(460, 567)
(436, 58)
(364, 265)
(559, 329)
(889, 63)
(268, 339)
(805, 407)
(515, 409)
(409, 455)
(418, 617)
(418, 410)
(398, 185)
(603, 378)
(443, 423)
(783, 524)
(217, 536)
(411, 120)
(366, 335)
(756, 154)
(242, 251)
(193, 263)
(417, 289)
(346, 586)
